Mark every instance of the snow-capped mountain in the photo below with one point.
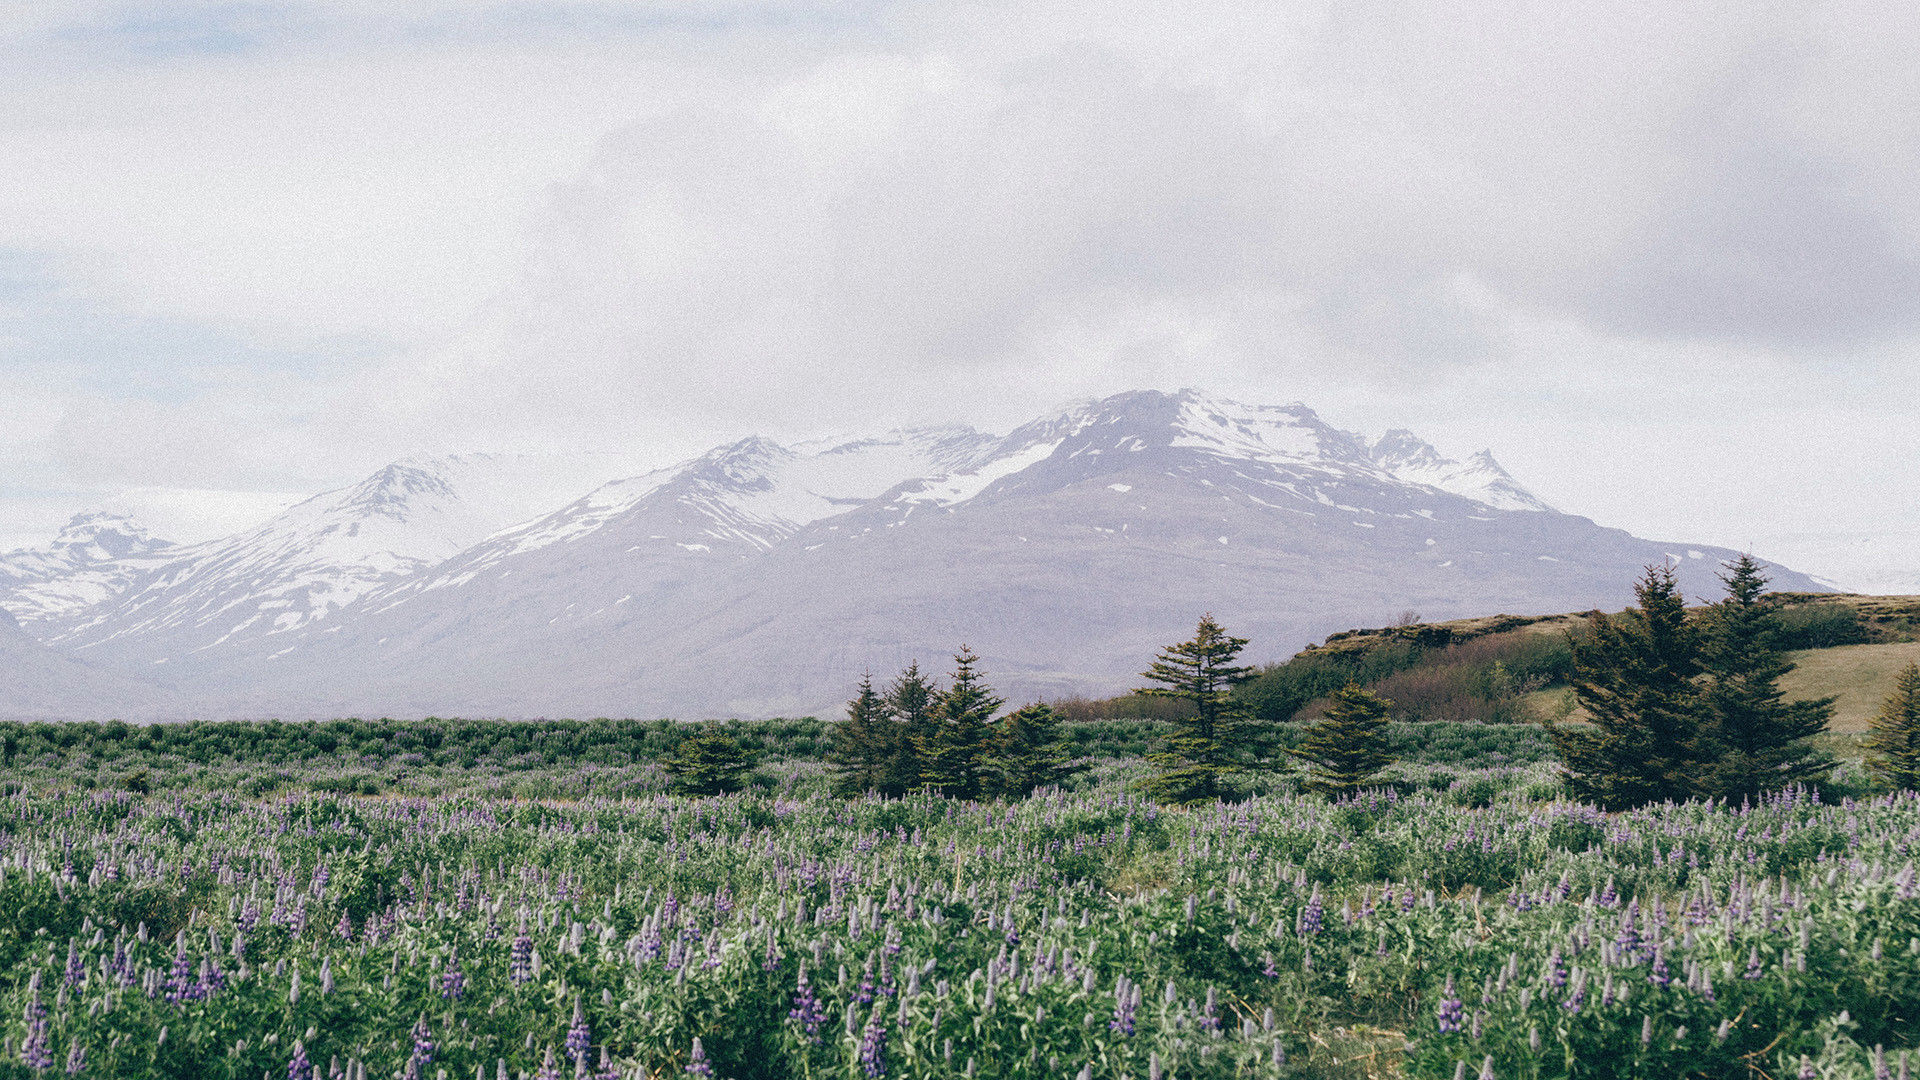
(93, 559)
(760, 579)
(321, 555)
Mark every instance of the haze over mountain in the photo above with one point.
(762, 579)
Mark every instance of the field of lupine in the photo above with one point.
(1465, 929)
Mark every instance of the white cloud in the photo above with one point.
(1627, 245)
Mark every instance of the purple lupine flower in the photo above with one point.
(548, 1070)
(212, 978)
(1210, 1016)
(1451, 1010)
(1660, 976)
(76, 1058)
(1312, 917)
(1266, 966)
(181, 984)
(520, 962)
(579, 1036)
(863, 994)
(697, 1063)
(423, 1046)
(76, 971)
(344, 928)
(34, 1051)
(1754, 971)
(453, 981)
(873, 1047)
(1556, 973)
(299, 1068)
(1126, 1002)
(807, 1010)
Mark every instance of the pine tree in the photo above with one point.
(863, 744)
(1347, 748)
(1754, 738)
(1204, 749)
(954, 754)
(909, 705)
(1029, 752)
(1634, 676)
(1893, 748)
(709, 763)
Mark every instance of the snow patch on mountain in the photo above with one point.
(95, 557)
(1402, 455)
(328, 551)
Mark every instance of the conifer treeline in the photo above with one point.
(1688, 707)
(916, 734)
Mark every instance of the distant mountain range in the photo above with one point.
(761, 579)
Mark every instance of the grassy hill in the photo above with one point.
(1513, 668)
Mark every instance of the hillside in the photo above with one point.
(1508, 667)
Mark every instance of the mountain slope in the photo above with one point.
(38, 683)
(1065, 553)
(94, 558)
(317, 557)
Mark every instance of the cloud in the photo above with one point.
(665, 225)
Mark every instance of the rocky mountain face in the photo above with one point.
(93, 559)
(762, 579)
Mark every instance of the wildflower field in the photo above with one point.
(1462, 923)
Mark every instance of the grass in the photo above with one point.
(1859, 676)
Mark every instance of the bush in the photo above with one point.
(1819, 626)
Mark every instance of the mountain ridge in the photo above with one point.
(760, 578)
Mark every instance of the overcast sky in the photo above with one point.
(1663, 259)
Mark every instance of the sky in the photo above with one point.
(1662, 259)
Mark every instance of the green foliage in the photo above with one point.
(1819, 625)
(1893, 748)
(1634, 675)
(864, 745)
(709, 763)
(911, 701)
(1205, 748)
(1346, 750)
(956, 754)
(1279, 691)
(1028, 752)
(1752, 737)
(1738, 940)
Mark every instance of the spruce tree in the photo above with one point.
(955, 753)
(863, 744)
(1204, 749)
(909, 706)
(1029, 752)
(1754, 738)
(709, 763)
(1893, 747)
(1634, 676)
(1346, 749)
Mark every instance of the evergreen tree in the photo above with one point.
(709, 763)
(1204, 749)
(1893, 748)
(955, 752)
(1029, 752)
(1754, 738)
(909, 706)
(1347, 748)
(863, 744)
(1634, 676)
